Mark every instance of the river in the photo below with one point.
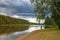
(13, 36)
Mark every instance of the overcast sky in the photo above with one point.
(17, 7)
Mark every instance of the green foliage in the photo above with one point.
(10, 20)
(52, 5)
(56, 12)
(48, 21)
(39, 9)
(9, 24)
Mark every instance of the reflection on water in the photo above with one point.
(13, 36)
(35, 27)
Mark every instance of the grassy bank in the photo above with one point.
(46, 34)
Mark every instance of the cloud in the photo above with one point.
(15, 16)
(3, 13)
(15, 6)
(18, 9)
(30, 19)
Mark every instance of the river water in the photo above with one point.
(13, 36)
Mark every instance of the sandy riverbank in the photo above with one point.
(42, 35)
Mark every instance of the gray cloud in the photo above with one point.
(16, 6)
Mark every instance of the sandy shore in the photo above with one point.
(31, 36)
(42, 35)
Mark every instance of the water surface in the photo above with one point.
(13, 36)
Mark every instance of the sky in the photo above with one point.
(18, 9)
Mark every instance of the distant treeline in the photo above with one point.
(9, 24)
(10, 20)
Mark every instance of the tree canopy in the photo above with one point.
(45, 7)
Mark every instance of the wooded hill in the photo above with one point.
(9, 24)
(10, 20)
